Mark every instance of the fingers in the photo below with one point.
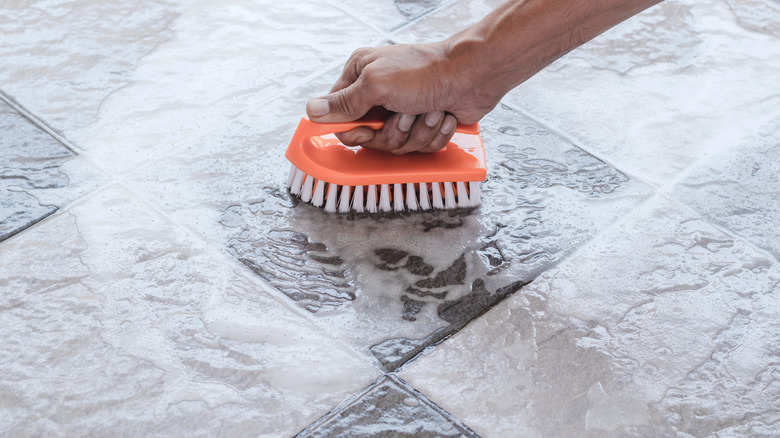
(403, 133)
(344, 105)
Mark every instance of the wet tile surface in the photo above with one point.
(113, 324)
(390, 408)
(741, 191)
(393, 285)
(620, 278)
(672, 334)
(665, 88)
(29, 159)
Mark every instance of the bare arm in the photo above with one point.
(430, 86)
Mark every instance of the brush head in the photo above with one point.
(370, 180)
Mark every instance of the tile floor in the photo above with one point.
(622, 277)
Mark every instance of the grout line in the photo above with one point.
(421, 17)
(577, 143)
(272, 291)
(663, 191)
(37, 121)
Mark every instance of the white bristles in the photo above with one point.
(418, 196)
(411, 197)
(436, 195)
(307, 188)
(357, 200)
(291, 175)
(371, 199)
(449, 196)
(398, 197)
(295, 188)
(425, 204)
(333, 191)
(463, 195)
(474, 193)
(384, 198)
(344, 199)
(319, 193)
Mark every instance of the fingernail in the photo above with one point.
(318, 107)
(431, 119)
(448, 124)
(405, 122)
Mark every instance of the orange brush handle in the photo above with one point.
(311, 129)
(327, 159)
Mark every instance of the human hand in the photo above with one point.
(419, 84)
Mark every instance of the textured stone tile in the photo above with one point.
(29, 159)
(223, 60)
(61, 58)
(443, 23)
(663, 326)
(116, 320)
(390, 408)
(740, 188)
(656, 93)
(392, 285)
(389, 15)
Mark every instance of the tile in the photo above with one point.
(740, 188)
(223, 60)
(389, 15)
(757, 16)
(389, 408)
(663, 326)
(116, 319)
(61, 58)
(392, 285)
(29, 159)
(656, 93)
(442, 23)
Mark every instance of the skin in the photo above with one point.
(429, 87)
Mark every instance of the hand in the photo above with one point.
(419, 84)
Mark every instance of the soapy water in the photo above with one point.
(398, 282)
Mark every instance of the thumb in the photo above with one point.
(345, 105)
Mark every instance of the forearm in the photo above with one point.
(521, 37)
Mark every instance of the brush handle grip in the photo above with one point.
(311, 129)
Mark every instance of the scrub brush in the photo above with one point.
(327, 173)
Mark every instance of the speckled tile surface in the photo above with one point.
(620, 279)
(659, 337)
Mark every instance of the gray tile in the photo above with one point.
(115, 319)
(30, 159)
(388, 409)
(739, 189)
(663, 326)
(79, 53)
